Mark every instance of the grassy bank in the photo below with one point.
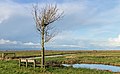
(95, 57)
(11, 67)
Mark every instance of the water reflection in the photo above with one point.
(95, 66)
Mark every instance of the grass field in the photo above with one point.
(11, 67)
(37, 52)
(103, 57)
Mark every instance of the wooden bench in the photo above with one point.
(26, 61)
(8, 53)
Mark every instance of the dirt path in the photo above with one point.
(49, 56)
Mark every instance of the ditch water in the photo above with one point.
(95, 66)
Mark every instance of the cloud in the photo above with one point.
(9, 44)
(105, 16)
(5, 12)
(16, 22)
(71, 39)
(9, 8)
(115, 41)
(73, 7)
(2, 41)
(31, 43)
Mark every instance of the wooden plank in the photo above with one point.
(23, 60)
(29, 60)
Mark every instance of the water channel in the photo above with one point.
(95, 66)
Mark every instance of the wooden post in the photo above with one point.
(3, 56)
(34, 63)
(26, 62)
(14, 55)
(19, 62)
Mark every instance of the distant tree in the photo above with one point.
(43, 18)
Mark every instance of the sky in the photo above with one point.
(87, 24)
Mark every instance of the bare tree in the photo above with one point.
(43, 18)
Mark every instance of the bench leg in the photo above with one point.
(34, 64)
(26, 63)
(3, 56)
(14, 55)
(19, 62)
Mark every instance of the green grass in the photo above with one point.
(38, 52)
(103, 57)
(11, 67)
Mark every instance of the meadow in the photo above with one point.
(99, 57)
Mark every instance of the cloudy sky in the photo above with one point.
(90, 24)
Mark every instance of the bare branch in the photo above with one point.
(44, 17)
(50, 32)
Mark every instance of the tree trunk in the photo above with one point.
(42, 50)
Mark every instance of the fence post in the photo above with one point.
(26, 62)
